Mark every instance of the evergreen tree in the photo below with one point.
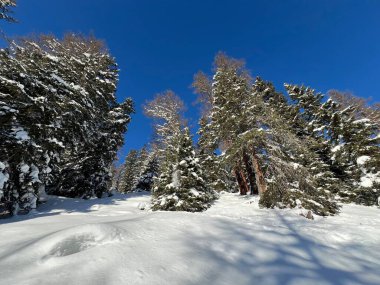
(229, 122)
(344, 142)
(294, 173)
(148, 173)
(262, 143)
(5, 10)
(181, 187)
(215, 175)
(130, 172)
(166, 109)
(30, 137)
(59, 120)
(362, 106)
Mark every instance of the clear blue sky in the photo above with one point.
(159, 45)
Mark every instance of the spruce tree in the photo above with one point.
(6, 10)
(181, 186)
(215, 175)
(295, 175)
(266, 149)
(59, 119)
(344, 142)
(148, 173)
(229, 123)
(130, 172)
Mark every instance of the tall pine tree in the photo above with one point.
(181, 187)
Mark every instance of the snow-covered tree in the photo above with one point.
(181, 186)
(60, 122)
(229, 121)
(166, 109)
(6, 9)
(215, 175)
(253, 126)
(29, 134)
(347, 143)
(148, 172)
(130, 172)
(292, 171)
(363, 108)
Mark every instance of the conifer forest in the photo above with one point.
(265, 184)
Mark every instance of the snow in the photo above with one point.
(54, 140)
(320, 129)
(369, 178)
(20, 134)
(52, 57)
(34, 173)
(12, 82)
(194, 192)
(24, 168)
(361, 121)
(296, 165)
(175, 179)
(337, 148)
(361, 160)
(3, 178)
(114, 241)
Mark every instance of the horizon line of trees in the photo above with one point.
(61, 127)
(301, 149)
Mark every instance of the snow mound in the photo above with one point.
(77, 239)
(143, 206)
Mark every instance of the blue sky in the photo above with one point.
(159, 45)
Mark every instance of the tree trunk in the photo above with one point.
(251, 174)
(242, 182)
(260, 181)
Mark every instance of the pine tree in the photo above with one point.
(295, 175)
(130, 172)
(59, 119)
(343, 141)
(148, 173)
(229, 122)
(166, 109)
(5, 10)
(214, 175)
(362, 106)
(267, 150)
(30, 138)
(181, 187)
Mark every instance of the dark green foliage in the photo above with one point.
(59, 120)
(6, 10)
(181, 186)
(130, 172)
(148, 172)
(215, 175)
(276, 196)
(343, 142)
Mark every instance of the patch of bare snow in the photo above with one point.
(114, 241)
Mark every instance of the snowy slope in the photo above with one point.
(111, 241)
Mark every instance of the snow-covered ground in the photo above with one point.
(112, 241)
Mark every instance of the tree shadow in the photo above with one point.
(234, 253)
(57, 205)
